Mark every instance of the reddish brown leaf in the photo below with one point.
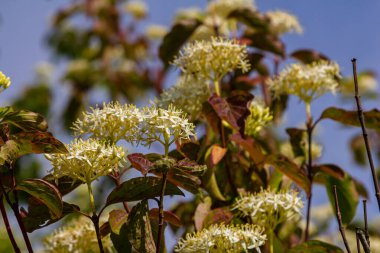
(140, 163)
(308, 55)
(170, 217)
(117, 218)
(201, 213)
(223, 110)
(250, 146)
(217, 154)
(218, 215)
(329, 169)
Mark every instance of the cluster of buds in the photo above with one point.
(260, 116)
(283, 22)
(223, 238)
(4, 81)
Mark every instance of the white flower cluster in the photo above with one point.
(224, 7)
(136, 8)
(260, 117)
(86, 160)
(76, 237)
(283, 22)
(223, 238)
(4, 81)
(307, 82)
(188, 94)
(112, 122)
(269, 209)
(211, 60)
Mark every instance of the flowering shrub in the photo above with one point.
(215, 136)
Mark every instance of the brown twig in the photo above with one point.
(8, 227)
(339, 218)
(357, 241)
(309, 128)
(365, 135)
(366, 222)
(363, 241)
(161, 212)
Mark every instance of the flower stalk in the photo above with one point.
(8, 227)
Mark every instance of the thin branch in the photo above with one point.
(365, 135)
(357, 241)
(363, 241)
(309, 127)
(8, 227)
(366, 222)
(339, 218)
(161, 212)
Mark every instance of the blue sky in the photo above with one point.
(341, 29)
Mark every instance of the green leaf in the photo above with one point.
(120, 241)
(251, 18)
(38, 143)
(174, 39)
(371, 118)
(28, 99)
(140, 188)
(117, 218)
(291, 170)
(358, 150)
(347, 196)
(45, 192)
(308, 55)
(25, 120)
(330, 170)
(64, 184)
(315, 246)
(139, 230)
(184, 180)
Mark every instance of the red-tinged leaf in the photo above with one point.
(45, 192)
(190, 167)
(39, 215)
(250, 146)
(218, 215)
(223, 110)
(201, 213)
(140, 163)
(358, 150)
(217, 154)
(371, 118)
(140, 188)
(211, 116)
(308, 55)
(329, 169)
(117, 218)
(189, 150)
(174, 39)
(267, 42)
(315, 246)
(238, 102)
(251, 18)
(105, 229)
(139, 230)
(64, 184)
(25, 120)
(169, 217)
(38, 143)
(347, 195)
(298, 138)
(291, 170)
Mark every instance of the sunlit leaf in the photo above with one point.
(117, 218)
(25, 120)
(315, 246)
(371, 118)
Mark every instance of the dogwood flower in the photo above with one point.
(136, 8)
(307, 82)
(112, 122)
(283, 22)
(4, 81)
(86, 160)
(269, 209)
(223, 238)
(260, 117)
(211, 60)
(78, 236)
(188, 94)
(224, 7)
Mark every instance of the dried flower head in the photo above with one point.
(211, 60)
(260, 117)
(188, 94)
(113, 122)
(268, 209)
(4, 81)
(86, 160)
(78, 236)
(307, 82)
(138, 9)
(165, 126)
(224, 7)
(223, 238)
(283, 22)
(156, 32)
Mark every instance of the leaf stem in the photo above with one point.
(363, 241)
(366, 222)
(217, 87)
(365, 135)
(309, 129)
(8, 227)
(161, 212)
